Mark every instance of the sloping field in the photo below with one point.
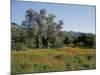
(47, 60)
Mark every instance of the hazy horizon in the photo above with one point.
(78, 18)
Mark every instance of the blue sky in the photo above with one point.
(80, 18)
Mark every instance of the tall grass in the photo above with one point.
(48, 60)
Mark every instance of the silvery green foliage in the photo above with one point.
(42, 28)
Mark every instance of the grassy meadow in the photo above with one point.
(50, 60)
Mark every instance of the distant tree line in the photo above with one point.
(41, 30)
(86, 40)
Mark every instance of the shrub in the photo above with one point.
(79, 44)
(18, 46)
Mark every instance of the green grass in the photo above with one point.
(49, 60)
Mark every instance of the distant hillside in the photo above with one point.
(73, 33)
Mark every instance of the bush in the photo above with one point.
(67, 40)
(85, 40)
(79, 44)
(18, 46)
